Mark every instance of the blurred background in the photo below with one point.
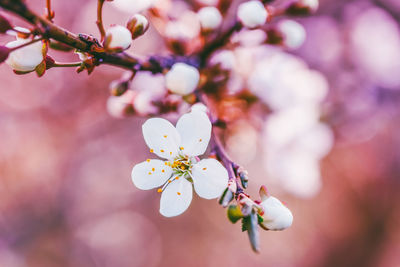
(66, 193)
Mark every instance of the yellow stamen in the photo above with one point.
(162, 171)
(166, 163)
(159, 190)
(153, 169)
(179, 193)
(149, 173)
(182, 167)
(151, 150)
(147, 160)
(170, 153)
(165, 136)
(200, 140)
(204, 169)
(181, 148)
(162, 150)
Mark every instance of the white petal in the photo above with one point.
(161, 137)
(150, 174)
(210, 178)
(276, 215)
(195, 131)
(176, 197)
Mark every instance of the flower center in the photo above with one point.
(181, 165)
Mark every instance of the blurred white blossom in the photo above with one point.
(252, 14)
(182, 79)
(293, 33)
(210, 18)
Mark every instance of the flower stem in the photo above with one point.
(99, 21)
(67, 64)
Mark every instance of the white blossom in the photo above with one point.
(293, 33)
(180, 146)
(186, 27)
(210, 18)
(118, 38)
(26, 58)
(182, 79)
(252, 14)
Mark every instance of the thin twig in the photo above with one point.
(99, 21)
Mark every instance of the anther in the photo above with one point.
(179, 193)
(151, 150)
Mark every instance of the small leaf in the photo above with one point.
(234, 213)
(41, 69)
(250, 224)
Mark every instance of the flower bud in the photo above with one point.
(118, 87)
(276, 215)
(293, 33)
(252, 14)
(210, 18)
(121, 106)
(4, 52)
(118, 38)
(26, 58)
(182, 79)
(303, 7)
(138, 25)
(4, 25)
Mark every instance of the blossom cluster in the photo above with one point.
(223, 60)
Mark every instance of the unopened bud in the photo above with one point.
(4, 25)
(118, 87)
(276, 215)
(138, 25)
(302, 8)
(4, 52)
(182, 79)
(293, 33)
(252, 14)
(244, 177)
(118, 38)
(210, 18)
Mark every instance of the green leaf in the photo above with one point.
(234, 213)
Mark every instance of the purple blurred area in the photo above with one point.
(67, 198)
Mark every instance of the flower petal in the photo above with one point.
(195, 131)
(210, 178)
(161, 137)
(176, 197)
(150, 174)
